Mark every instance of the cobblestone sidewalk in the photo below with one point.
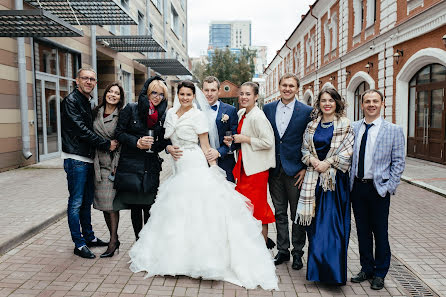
(45, 265)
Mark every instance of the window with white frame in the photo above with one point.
(174, 21)
(358, 16)
(127, 85)
(308, 52)
(371, 13)
(326, 38)
(296, 61)
(183, 4)
(334, 31)
(184, 34)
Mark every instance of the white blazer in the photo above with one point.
(260, 154)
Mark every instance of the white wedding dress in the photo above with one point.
(199, 225)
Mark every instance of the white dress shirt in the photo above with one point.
(283, 116)
(215, 112)
(369, 147)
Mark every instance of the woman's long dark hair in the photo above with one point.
(102, 103)
(340, 103)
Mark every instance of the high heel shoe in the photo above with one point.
(110, 254)
(270, 244)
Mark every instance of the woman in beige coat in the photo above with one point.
(255, 156)
(105, 119)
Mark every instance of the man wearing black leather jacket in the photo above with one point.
(79, 142)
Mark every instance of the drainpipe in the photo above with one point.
(93, 61)
(149, 31)
(21, 60)
(316, 43)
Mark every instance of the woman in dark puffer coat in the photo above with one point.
(138, 173)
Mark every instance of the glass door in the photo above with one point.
(430, 128)
(48, 117)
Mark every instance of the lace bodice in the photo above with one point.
(183, 131)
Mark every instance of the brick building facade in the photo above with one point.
(52, 62)
(396, 46)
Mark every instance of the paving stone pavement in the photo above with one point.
(45, 265)
(425, 174)
(33, 198)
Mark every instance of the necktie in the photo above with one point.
(214, 107)
(362, 151)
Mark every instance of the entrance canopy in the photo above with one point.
(165, 66)
(34, 23)
(87, 12)
(131, 43)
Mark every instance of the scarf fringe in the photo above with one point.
(304, 220)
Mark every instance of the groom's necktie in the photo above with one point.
(362, 150)
(214, 107)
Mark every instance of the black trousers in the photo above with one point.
(284, 193)
(372, 216)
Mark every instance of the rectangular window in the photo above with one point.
(371, 13)
(127, 85)
(183, 4)
(174, 21)
(141, 24)
(358, 11)
(125, 29)
(184, 34)
(112, 29)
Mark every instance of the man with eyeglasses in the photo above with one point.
(79, 142)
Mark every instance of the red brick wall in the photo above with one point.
(402, 9)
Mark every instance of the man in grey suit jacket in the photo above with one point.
(377, 165)
(289, 118)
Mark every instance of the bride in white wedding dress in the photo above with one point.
(199, 225)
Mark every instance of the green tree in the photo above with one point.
(226, 65)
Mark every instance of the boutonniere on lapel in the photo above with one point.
(224, 118)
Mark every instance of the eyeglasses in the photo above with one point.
(156, 94)
(86, 78)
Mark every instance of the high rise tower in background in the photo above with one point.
(232, 34)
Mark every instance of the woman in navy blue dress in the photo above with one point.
(324, 203)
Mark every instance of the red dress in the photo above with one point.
(254, 187)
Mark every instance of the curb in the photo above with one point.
(424, 185)
(27, 234)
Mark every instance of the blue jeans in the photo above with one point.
(80, 178)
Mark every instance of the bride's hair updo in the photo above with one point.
(186, 84)
(253, 85)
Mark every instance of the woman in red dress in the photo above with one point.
(256, 154)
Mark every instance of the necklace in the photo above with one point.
(326, 125)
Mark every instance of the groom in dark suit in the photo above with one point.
(289, 118)
(226, 120)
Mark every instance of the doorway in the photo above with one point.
(427, 133)
(48, 116)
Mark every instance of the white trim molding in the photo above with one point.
(308, 98)
(356, 79)
(414, 63)
(329, 85)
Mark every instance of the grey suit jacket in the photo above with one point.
(388, 157)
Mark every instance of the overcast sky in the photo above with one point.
(272, 22)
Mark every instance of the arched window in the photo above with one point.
(426, 118)
(364, 86)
